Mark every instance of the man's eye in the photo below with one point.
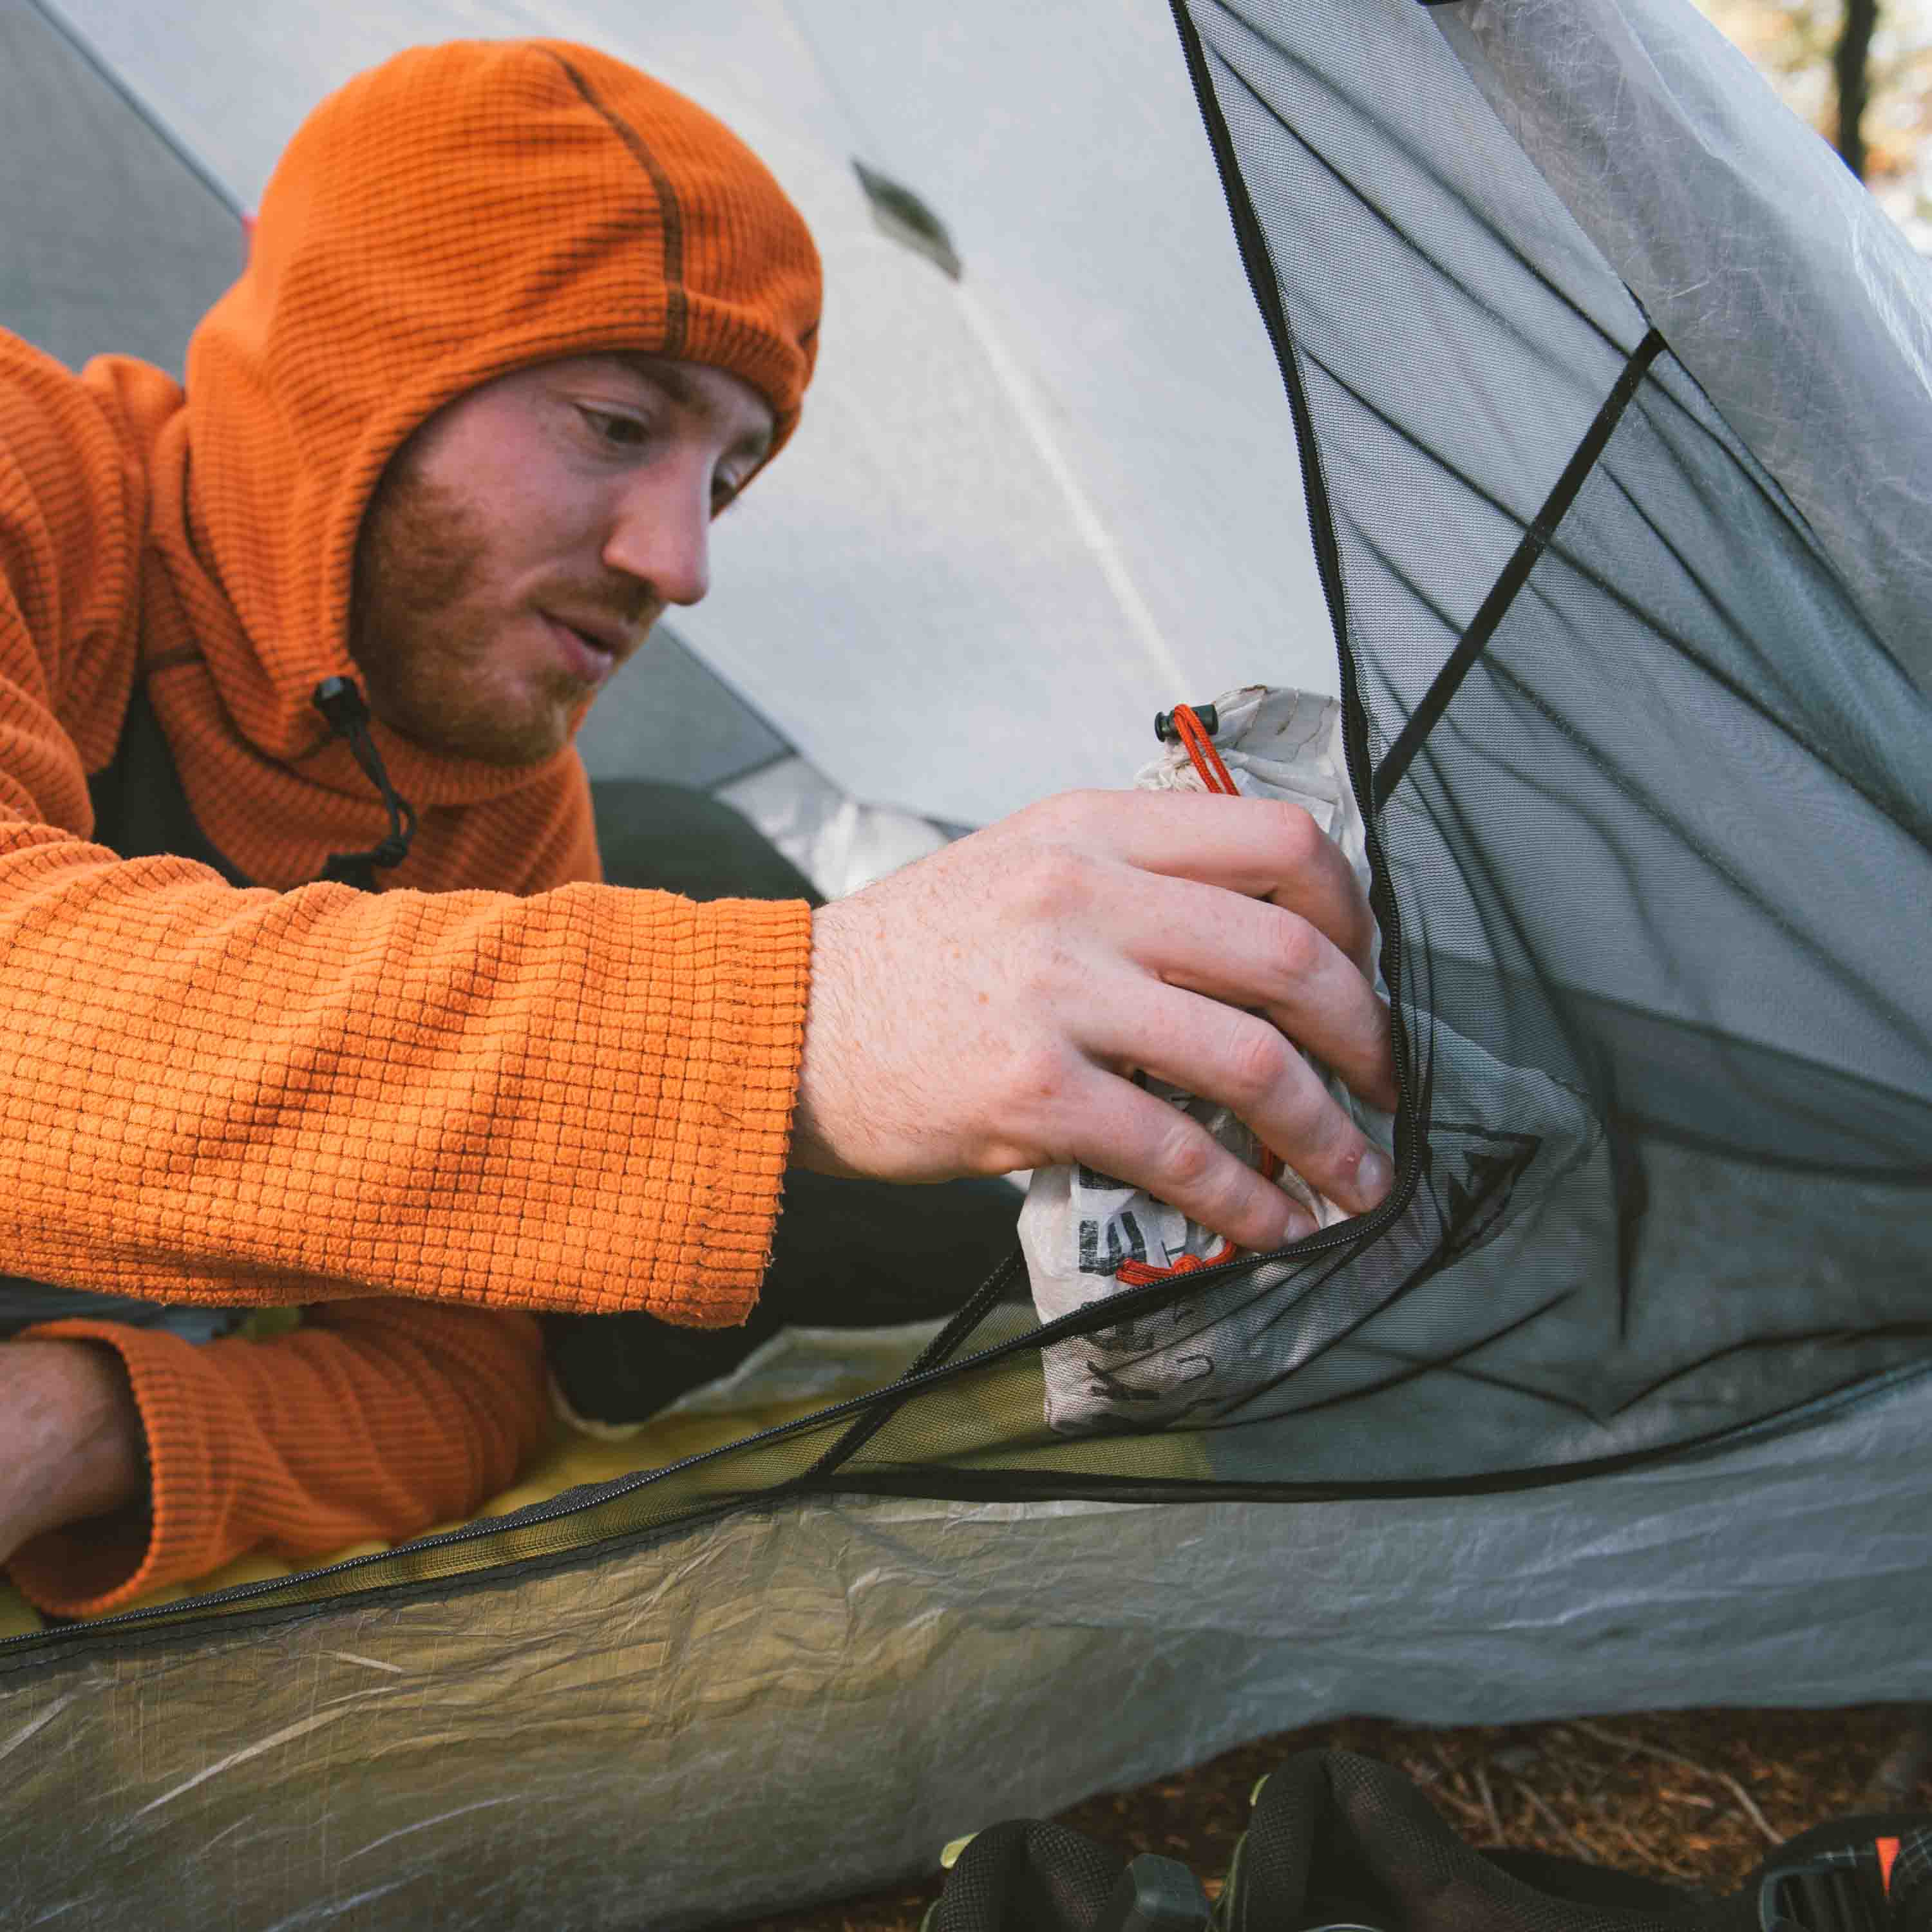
(623, 432)
(723, 494)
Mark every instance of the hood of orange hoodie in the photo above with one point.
(459, 212)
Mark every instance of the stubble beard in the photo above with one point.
(424, 635)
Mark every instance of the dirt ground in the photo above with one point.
(1697, 1796)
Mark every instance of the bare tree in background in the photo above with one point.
(1860, 72)
(1851, 68)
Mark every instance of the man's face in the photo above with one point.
(524, 540)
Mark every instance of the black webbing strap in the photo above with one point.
(1515, 574)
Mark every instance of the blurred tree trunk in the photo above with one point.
(1851, 65)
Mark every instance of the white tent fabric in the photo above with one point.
(1025, 511)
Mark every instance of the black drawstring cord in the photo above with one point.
(340, 700)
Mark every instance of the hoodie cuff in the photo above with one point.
(92, 1568)
(739, 1075)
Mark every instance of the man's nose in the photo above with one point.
(660, 534)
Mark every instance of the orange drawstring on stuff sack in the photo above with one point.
(1184, 723)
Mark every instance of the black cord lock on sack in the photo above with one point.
(1168, 733)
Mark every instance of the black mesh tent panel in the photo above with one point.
(1667, 841)
(1803, 313)
(1656, 854)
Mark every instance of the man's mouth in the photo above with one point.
(590, 657)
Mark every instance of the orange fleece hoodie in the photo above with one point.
(497, 1082)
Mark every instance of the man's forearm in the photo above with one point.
(71, 1444)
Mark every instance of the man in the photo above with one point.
(517, 324)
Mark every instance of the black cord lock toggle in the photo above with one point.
(1164, 728)
(340, 700)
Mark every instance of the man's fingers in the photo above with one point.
(1324, 892)
(975, 1011)
(1224, 1055)
(1250, 953)
(1260, 847)
(1152, 1145)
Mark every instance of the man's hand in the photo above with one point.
(71, 1443)
(985, 1009)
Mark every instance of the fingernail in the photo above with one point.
(1299, 1224)
(1374, 1176)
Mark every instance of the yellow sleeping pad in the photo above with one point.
(800, 1372)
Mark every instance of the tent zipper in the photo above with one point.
(1263, 284)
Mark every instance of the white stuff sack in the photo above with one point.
(1500, 1134)
(1077, 1226)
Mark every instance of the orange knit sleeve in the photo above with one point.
(581, 1100)
(71, 506)
(376, 1420)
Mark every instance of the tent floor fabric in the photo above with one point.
(1669, 1793)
